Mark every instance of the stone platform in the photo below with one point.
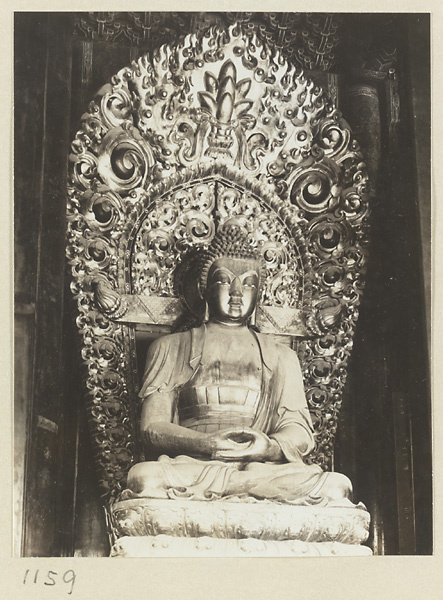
(174, 522)
(206, 547)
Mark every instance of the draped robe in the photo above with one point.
(281, 413)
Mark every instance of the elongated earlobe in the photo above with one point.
(206, 317)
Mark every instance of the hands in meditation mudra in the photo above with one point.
(224, 407)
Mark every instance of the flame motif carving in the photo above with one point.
(212, 127)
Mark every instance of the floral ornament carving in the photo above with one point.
(226, 101)
(213, 127)
(123, 163)
(107, 300)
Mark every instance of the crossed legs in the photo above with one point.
(201, 479)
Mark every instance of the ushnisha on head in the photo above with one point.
(229, 277)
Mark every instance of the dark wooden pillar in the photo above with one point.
(416, 146)
(384, 441)
(42, 108)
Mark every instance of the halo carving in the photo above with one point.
(212, 127)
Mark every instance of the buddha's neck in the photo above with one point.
(239, 329)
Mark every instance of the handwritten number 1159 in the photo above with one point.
(51, 578)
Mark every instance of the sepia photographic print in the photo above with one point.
(222, 285)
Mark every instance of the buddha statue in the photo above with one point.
(224, 410)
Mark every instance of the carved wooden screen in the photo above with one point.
(213, 127)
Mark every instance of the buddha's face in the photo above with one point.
(231, 290)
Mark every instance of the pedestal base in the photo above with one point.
(169, 546)
(230, 519)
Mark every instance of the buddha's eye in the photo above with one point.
(222, 278)
(250, 282)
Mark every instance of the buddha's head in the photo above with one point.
(229, 277)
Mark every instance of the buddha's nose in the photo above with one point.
(236, 287)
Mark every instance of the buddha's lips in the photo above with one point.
(235, 302)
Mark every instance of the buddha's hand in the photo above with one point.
(249, 445)
(226, 440)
